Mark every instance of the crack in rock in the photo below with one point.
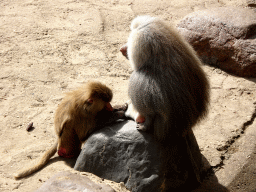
(232, 140)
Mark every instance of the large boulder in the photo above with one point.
(121, 153)
(224, 37)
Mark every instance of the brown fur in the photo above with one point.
(80, 112)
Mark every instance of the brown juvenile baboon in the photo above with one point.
(80, 112)
(168, 89)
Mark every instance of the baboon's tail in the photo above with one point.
(28, 171)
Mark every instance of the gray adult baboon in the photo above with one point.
(168, 89)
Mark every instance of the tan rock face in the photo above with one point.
(64, 181)
(50, 47)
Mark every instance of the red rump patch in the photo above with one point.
(62, 152)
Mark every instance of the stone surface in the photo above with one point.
(66, 181)
(224, 37)
(237, 164)
(123, 154)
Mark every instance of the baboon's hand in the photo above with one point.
(141, 127)
(123, 107)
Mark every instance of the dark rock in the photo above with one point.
(224, 37)
(66, 181)
(251, 3)
(121, 153)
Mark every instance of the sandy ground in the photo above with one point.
(50, 47)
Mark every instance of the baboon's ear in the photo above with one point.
(90, 100)
(88, 103)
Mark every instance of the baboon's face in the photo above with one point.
(95, 105)
(123, 49)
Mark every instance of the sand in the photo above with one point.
(50, 47)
